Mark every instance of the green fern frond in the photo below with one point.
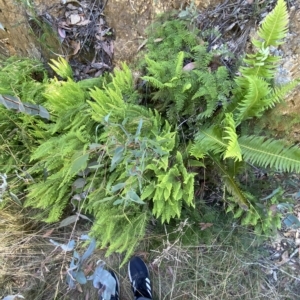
(275, 26)
(231, 185)
(155, 82)
(61, 67)
(233, 149)
(254, 102)
(154, 67)
(179, 64)
(270, 153)
(208, 140)
(278, 93)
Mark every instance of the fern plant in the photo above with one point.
(253, 94)
(21, 87)
(106, 154)
(182, 92)
(105, 151)
(135, 153)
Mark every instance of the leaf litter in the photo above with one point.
(84, 34)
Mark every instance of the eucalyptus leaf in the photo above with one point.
(12, 102)
(13, 297)
(89, 250)
(119, 201)
(276, 191)
(132, 195)
(67, 221)
(79, 162)
(106, 199)
(94, 146)
(184, 14)
(70, 281)
(106, 118)
(292, 221)
(103, 278)
(15, 198)
(116, 158)
(79, 183)
(65, 247)
(118, 187)
(80, 277)
(95, 166)
(138, 131)
(84, 217)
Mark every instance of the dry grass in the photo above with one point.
(226, 268)
(231, 266)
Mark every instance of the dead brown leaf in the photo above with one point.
(48, 232)
(74, 19)
(71, 6)
(88, 269)
(142, 45)
(100, 66)
(63, 25)
(87, 296)
(284, 258)
(76, 46)
(102, 21)
(79, 288)
(203, 226)
(111, 46)
(107, 49)
(100, 37)
(84, 22)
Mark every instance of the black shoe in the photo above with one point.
(139, 278)
(117, 292)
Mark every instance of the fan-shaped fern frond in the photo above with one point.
(270, 153)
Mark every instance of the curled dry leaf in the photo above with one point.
(142, 45)
(64, 25)
(74, 19)
(71, 6)
(61, 32)
(76, 46)
(190, 66)
(99, 66)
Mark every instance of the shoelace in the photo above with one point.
(142, 288)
